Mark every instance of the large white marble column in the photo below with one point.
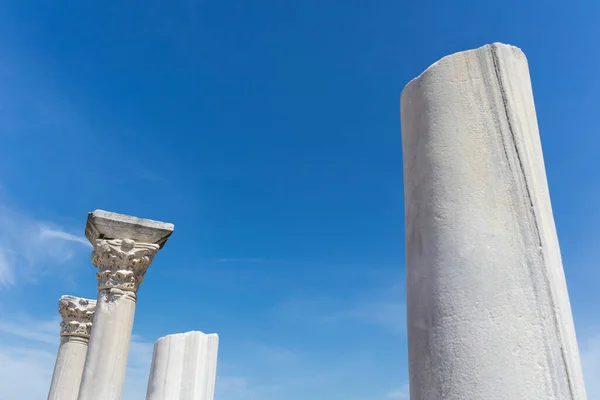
(75, 328)
(184, 367)
(124, 247)
(488, 310)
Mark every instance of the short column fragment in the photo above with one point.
(184, 367)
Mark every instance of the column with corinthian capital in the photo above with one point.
(123, 249)
(75, 327)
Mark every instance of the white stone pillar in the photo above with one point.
(75, 327)
(488, 310)
(124, 248)
(184, 367)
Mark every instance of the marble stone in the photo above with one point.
(123, 249)
(488, 310)
(108, 225)
(184, 367)
(77, 314)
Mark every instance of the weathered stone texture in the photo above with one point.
(123, 249)
(184, 367)
(488, 310)
(77, 315)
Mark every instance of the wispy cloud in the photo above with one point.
(23, 326)
(28, 352)
(384, 308)
(399, 394)
(387, 314)
(30, 247)
(259, 371)
(242, 388)
(25, 372)
(273, 372)
(49, 233)
(138, 368)
(590, 358)
(6, 274)
(27, 355)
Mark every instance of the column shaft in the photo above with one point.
(123, 249)
(488, 310)
(76, 324)
(68, 369)
(104, 373)
(184, 367)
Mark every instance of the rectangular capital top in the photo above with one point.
(108, 225)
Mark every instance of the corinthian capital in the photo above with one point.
(77, 315)
(124, 247)
(122, 263)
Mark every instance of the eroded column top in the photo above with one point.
(108, 225)
(124, 247)
(77, 314)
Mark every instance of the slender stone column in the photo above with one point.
(124, 248)
(488, 310)
(184, 367)
(75, 327)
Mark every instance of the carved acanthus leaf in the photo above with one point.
(122, 263)
(77, 315)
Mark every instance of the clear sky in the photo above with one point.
(268, 132)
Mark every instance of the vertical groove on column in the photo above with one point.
(184, 367)
(487, 305)
(533, 209)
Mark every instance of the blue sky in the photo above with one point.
(268, 133)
